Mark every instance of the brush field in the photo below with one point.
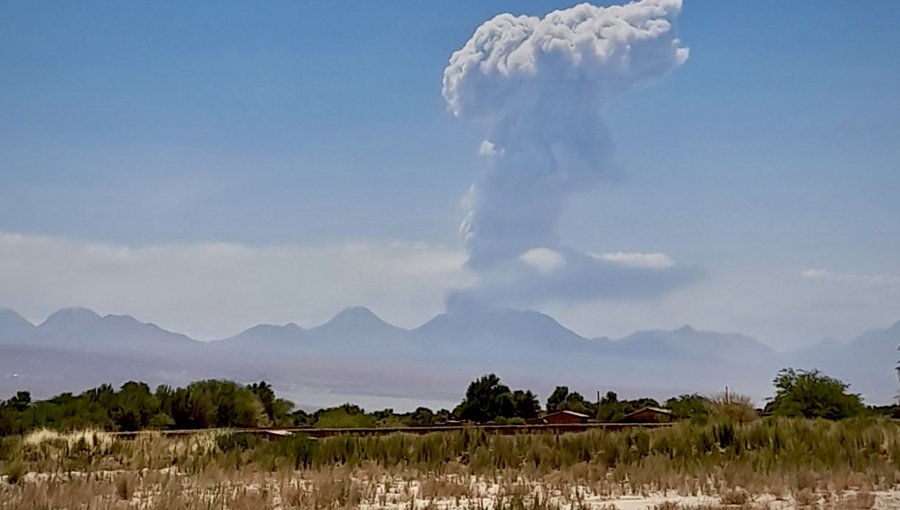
(769, 463)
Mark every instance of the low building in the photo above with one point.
(559, 417)
(649, 414)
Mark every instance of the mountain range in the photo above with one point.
(358, 357)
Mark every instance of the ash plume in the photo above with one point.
(541, 86)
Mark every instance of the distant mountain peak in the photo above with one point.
(68, 317)
(10, 315)
(356, 311)
(511, 325)
(355, 316)
(13, 327)
(263, 328)
(534, 317)
(504, 314)
(689, 343)
(124, 319)
(75, 311)
(291, 328)
(128, 321)
(887, 337)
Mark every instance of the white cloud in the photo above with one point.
(639, 260)
(487, 148)
(212, 290)
(853, 279)
(543, 259)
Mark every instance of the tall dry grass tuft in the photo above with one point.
(806, 497)
(444, 487)
(731, 408)
(14, 472)
(861, 500)
(735, 496)
(124, 486)
(90, 438)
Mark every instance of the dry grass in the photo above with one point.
(806, 498)
(862, 500)
(759, 464)
(124, 486)
(88, 438)
(735, 496)
(444, 487)
(344, 488)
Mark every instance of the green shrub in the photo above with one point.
(10, 447)
(14, 472)
(239, 442)
(292, 452)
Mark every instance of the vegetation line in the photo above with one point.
(226, 404)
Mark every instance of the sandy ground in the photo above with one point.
(884, 500)
(470, 493)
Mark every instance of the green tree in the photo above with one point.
(300, 418)
(237, 406)
(277, 409)
(421, 417)
(811, 394)
(559, 395)
(134, 407)
(161, 421)
(689, 407)
(563, 400)
(486, 399)
(525, 404)
(200, 406)
(610, 408)
(266, 396)
(21, 401)
(9, 421)
(344, 416)
(281, 412)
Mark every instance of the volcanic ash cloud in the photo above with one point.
(541, 85)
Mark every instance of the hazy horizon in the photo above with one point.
(336, 315)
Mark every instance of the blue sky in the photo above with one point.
(769, 160)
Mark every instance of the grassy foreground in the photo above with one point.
(764, 463)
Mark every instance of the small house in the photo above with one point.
(273, 434)
(649, 414)
(559, 417)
